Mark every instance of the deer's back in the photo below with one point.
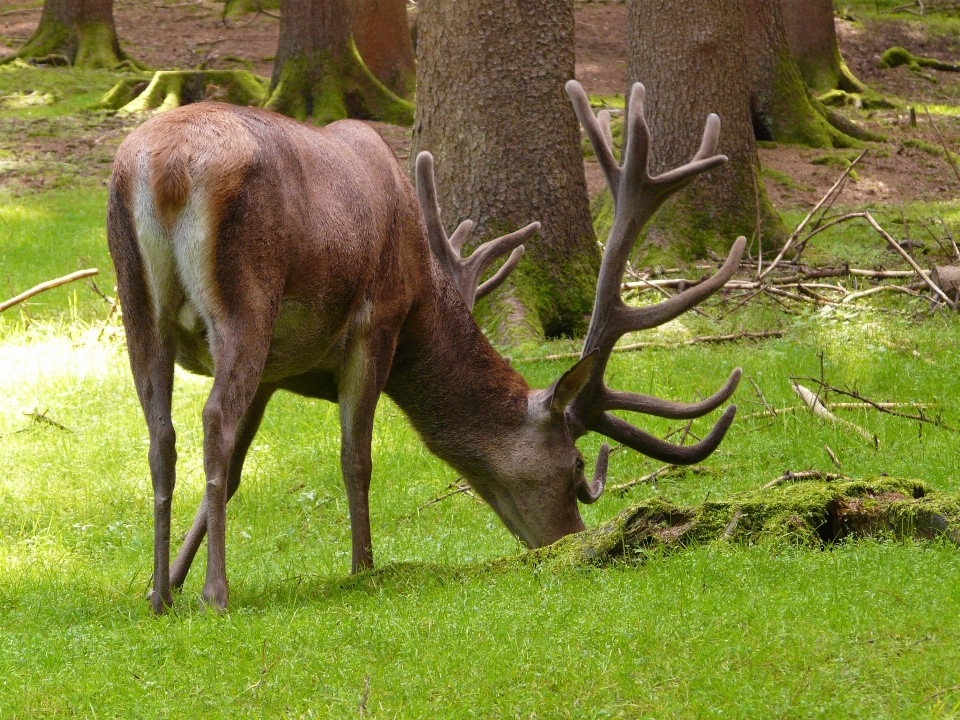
(240, 211)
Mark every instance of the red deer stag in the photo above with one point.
(273, 255)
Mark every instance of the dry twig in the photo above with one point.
(48, 285)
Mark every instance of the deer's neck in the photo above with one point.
(460, 395)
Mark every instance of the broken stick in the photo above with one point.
(48, 285)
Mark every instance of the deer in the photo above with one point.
(272, 255)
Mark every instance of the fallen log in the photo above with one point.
(814, 514)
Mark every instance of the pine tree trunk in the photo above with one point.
(813, 39)
(318, 72)
(692, 64)
(492, 110)
(780, 103)
(82, 31)
(382, 35)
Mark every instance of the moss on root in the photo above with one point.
(807, 513)
(897, 56)
(89, 45)
(810, 514)
(327, 89)
(168, 89)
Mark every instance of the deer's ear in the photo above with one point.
(555, 398)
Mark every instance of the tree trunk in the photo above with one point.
(82, 31)
(492, 110)
(813, 39)
(781, 106)
(318, 73)
(693, 63)
(382, 35)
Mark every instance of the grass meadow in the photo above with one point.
(868, 629)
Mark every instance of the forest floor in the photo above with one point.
(721, 629)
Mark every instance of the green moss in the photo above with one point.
(803, 513)
(327, 89)
(781, 178)
(169, 89)
(238, 7)
(90, 46)
(897, 56)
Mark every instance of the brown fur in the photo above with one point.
(320, 281)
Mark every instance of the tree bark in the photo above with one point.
(318, 72)
(781, 106)
(693, 63)
(812, 36)
(383, 39)
(82, 31)
(492, 110)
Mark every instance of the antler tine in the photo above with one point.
(603, 119)
(649, 405)
(637, 196)
(602, 147)
(651, 446)
(465, 272)
(427, 193)
(643, 318)
(493, 283)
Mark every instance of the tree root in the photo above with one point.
(168, 89)
(90, 45)
(328, 90)
(805, 513)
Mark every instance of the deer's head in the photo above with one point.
(536, 476)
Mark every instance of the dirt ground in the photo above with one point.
(175, 33)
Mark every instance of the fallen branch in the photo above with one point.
(48, 285)
(775, 412)
(459, 487)
(813, 402)
(682, 343)
(796, 233)
(881, 407)
(806, 475)
(906, 256)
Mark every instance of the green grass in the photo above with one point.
(67, 91)
(861, 630)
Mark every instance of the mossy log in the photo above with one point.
(168, 89)
(806, 513)
(897, 56)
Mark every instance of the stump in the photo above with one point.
(947, 278)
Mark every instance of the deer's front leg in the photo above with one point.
(246, 431)
(367, 363)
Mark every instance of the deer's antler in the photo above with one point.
(465, 272)
(637, 196)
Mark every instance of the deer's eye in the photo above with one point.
(579, 465)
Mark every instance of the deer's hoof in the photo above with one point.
(215, 597)
(160, 603)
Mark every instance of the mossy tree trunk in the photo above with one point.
(492, 110)
(812, 35)
(382, 35)
(693, 63)
(318, 72)
(82, 31)
(781, 106)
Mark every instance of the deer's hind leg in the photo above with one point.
(151, 346)
(246, 431)
(240, 348)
